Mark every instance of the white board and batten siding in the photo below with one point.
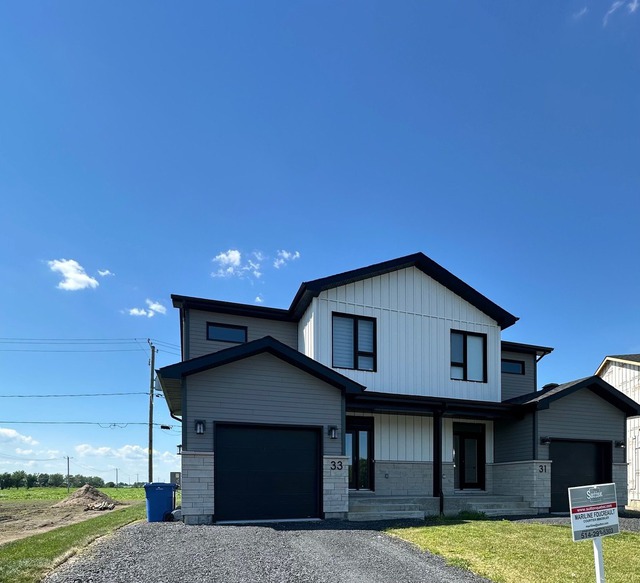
(264, 390)
(285, 332)
(626, 378)
(408, 438)
(414, 318)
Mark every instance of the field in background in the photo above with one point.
(56, 494)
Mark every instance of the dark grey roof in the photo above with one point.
(542, 399)
(539, 351)
(268, 345)
(310, 289)
(631, 357)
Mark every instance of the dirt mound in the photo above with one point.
(85, 496)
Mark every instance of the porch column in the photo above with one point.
(437, 458)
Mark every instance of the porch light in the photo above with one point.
(180, 449)
(545, 440)
(619, 444)
(200, 426)
(333, 432)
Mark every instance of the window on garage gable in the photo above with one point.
(354, 342)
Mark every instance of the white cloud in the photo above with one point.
(230, 264)
(153, 309)
(632, 6)
(580, 13)
(126, 453)
(259, 299)
(75, 277)
(138, 312)
(104, 272)
(283, 257)
(11, 435)
(156, 307)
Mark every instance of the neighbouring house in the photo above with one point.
(623, 372)
(382, 391)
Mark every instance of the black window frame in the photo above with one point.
(512, 361)
(226, 326)
(465, 360)
(355, 353)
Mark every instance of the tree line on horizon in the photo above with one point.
(21, 479)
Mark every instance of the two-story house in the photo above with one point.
(623, 372)
(385, 385)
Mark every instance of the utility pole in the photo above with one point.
(116, 477)
(151, 387)
(68, 478)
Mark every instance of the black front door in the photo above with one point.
(469, 456)
(359, 449)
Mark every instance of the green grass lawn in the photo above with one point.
(512, 552)
(28, 560)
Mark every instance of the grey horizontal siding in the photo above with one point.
(582, 415)
(261, 389)
(514, 385)
(285, 332)
(513, 440)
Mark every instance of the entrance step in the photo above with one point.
(364, 516)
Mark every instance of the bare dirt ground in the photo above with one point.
(23, 518)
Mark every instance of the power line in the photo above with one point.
(24, 459)
(71, 395)
(69, 351)
(104, 425)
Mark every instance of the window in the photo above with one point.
(468, 356)
(226, 332)
(354, 342)
(512, 366)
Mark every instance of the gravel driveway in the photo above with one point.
(329, 551)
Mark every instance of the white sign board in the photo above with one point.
(594, 511)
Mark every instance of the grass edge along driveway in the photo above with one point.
(29, 559)
(512, 552)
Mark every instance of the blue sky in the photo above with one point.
(141, 141)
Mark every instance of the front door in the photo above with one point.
(359, 449)
(469, 456)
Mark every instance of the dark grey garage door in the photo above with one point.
(577, 463)
(264, 472)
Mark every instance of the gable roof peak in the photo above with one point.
(310, 289)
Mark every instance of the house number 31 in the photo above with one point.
(542, 469)
(336, 465)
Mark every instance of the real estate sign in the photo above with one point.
(594, 511)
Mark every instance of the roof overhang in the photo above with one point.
(374, 402)
(538, 351)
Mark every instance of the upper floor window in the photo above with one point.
(468, 356)
(354, 342)
(512, 366)
(226, 332)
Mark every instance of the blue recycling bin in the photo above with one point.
(159, 497)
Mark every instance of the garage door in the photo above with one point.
(577, 463)
(264, 472)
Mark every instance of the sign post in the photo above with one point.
(594, 514)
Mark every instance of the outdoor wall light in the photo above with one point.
(180, 449)
(619, 444)
(200, 426)
(545, 440)
(333, 432)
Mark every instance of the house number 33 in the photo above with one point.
(336, 465)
